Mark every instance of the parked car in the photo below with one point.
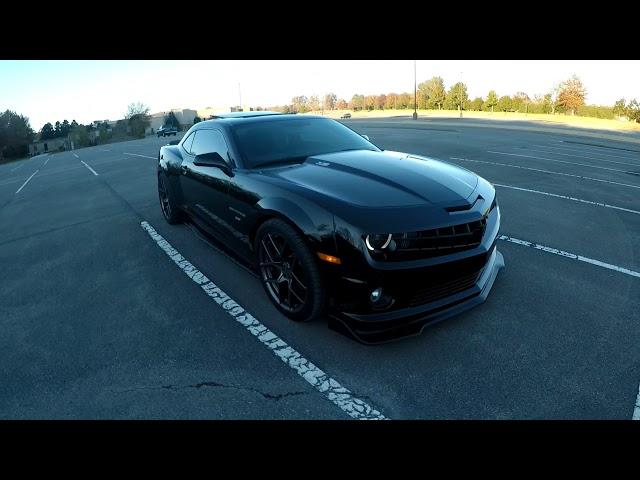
(385, 242)
(167, 130)
(346, 115)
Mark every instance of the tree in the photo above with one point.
(56, 132)
(47, 132)
(620, 108)
(137, 117)
(391, 102)
(571, 94)
(65, 128)
(342, 104)
(492, 100)
(313, 104)
(633, 110)
(15, 134)
(476, 104)
(299, 104)
(381, 100)
(172, 120)
(457, 96)
(504, 104)
(520, 101)
(80, 136)
(330, 101)
(196, 120)
(357, 102)
(434, 92)
(548, 105)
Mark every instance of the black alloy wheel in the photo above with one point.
(288, 271)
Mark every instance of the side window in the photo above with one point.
(187, 143)
(209, 141)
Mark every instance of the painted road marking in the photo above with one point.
(636, 411)
(606, 205)
(580, 156)
(560, 161)
(27, 180)
(92, 170)
(326, 385)
(574, 256)
(75, 155)
(45, 162)
(19, 166)
(104, 150)
(138, 155)
(598, 150)
(545, 171)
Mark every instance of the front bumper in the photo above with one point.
(372, 328)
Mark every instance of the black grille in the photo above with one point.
(433, 293)
(435, 242)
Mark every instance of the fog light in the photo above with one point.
(376, 295)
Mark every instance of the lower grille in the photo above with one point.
(433, 293)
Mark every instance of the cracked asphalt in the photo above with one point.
(98, 323)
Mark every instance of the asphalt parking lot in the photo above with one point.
(98, 321)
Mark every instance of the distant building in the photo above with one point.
(50, 145)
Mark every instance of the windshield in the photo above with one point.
(293, 140)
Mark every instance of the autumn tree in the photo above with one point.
(571, 94)
(330, 101)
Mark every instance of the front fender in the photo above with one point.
(315, 223)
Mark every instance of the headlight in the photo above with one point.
(378, 241)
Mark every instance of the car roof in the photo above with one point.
(236, 118)
(245, 114)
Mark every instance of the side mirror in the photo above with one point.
(366, 137)
(213, 159)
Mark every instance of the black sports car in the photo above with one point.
(385, 242)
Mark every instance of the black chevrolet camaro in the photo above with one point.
(383, 242)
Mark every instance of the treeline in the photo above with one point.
(15, 135)
(567, 98)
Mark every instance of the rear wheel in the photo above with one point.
(168, 205)
(289, 272)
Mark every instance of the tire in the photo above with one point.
(170, 211)
(286, 265)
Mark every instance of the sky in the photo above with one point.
(50, 90)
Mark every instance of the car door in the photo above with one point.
(205, 188)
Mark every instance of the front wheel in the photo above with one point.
(168, 205)
(288, 271)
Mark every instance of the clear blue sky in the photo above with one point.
(48, 90)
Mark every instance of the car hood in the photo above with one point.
(365, 178)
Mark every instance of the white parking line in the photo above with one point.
(636, 410)
(138, 155)
(546, 171)
(104, 150)
(45, 162)
(574, 256)
(92, 170)
(19, 166)
(567, 198)
(75, 155)
(326, 385)
(580, 156)
(27, 180)
(559, 161)
(597, 150)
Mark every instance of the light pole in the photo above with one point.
(240, 95)
(415, 92)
